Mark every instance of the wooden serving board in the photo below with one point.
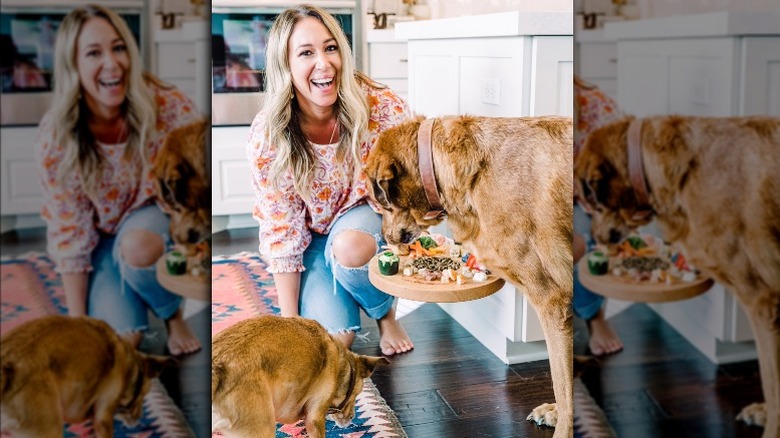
(416, 288)
(628, 289)
(185, 285)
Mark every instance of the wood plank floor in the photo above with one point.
(660, 385)
(451, 386)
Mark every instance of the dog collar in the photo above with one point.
(636, 170)
(352, 381)
(425, 161)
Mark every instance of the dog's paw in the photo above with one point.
(753, 415)
(546, 414)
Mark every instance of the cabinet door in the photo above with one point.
(20, 191)
(552, 76)
(231, 184)
(761, 76)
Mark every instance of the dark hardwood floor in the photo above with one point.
(662, 386)
(451, 386)
(188, 383)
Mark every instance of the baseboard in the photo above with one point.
(507, 351)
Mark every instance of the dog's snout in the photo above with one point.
(193, 236)
(615, 236)
(407, 236)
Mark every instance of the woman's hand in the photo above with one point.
(288, 287)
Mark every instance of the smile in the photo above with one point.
(322, 83)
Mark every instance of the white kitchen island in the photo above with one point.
(508, 64)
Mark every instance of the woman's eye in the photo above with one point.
(120, 48)
(93, 53)
(305, 53)
(332, 48)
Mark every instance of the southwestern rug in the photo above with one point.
(242, 288)
(30, 289)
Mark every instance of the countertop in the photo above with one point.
(711, 24)
(515, 23)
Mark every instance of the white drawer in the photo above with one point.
(598, 60)
(176, 60)
(388, 60)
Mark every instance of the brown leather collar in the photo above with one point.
(636, 170)
(425, 161)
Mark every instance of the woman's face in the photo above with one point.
(102, 62)
(315, 64)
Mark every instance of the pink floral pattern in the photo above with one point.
(285, 219)
(74, 220)
(595, 109)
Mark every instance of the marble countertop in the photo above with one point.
(515, 23)
(711, 24)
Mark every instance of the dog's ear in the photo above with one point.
(154, 365)
(367, 364)
(382, 185)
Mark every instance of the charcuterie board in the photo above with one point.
(629, 289)
(416, 288)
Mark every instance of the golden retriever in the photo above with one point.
(714, 187)
(505, 184)
(183, 185)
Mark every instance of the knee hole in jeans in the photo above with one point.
(353, 249)
(141, 248)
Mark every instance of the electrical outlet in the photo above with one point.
(491, 91)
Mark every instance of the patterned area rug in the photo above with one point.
(242, 288)
(31, 289)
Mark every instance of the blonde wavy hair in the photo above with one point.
(71, 114)
(282, 113)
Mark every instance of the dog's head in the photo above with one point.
(182, 180)
(603, 186)
(144, 368)
(360, 367)
(394, 183)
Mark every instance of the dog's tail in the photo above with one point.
(6, 377)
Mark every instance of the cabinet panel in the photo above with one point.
(761, 74)
(432, 89)
(21, 191)
(388, 60)
(699, 86)
(488, 86)
(552, 76)
(231, 183)
(598, 60)
(176, 60)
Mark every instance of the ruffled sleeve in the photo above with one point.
(67, 211)
(280, 211)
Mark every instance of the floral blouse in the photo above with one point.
(595, 109)
(74, 220)
(285, 219)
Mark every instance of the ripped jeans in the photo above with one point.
(121, 294)
(332, 294)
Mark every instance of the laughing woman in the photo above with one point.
(94, 150)
(306, 150)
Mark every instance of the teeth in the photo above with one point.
(321, 83)
(109, 83)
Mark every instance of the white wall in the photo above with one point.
(459, 8)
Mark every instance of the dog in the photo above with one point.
(712, 186)
(181, 176)
(71, 369)
(505, 186)
(270, 369)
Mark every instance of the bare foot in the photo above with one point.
(603, 340)
(181, 339)
(393, 339)
(132, 338)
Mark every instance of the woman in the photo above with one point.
(94, 150)
(593, 109)
(306, 150)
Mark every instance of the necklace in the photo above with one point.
(335, 125)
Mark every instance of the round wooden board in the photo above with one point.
(417, 289)
(627, 289)
(185, 285)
